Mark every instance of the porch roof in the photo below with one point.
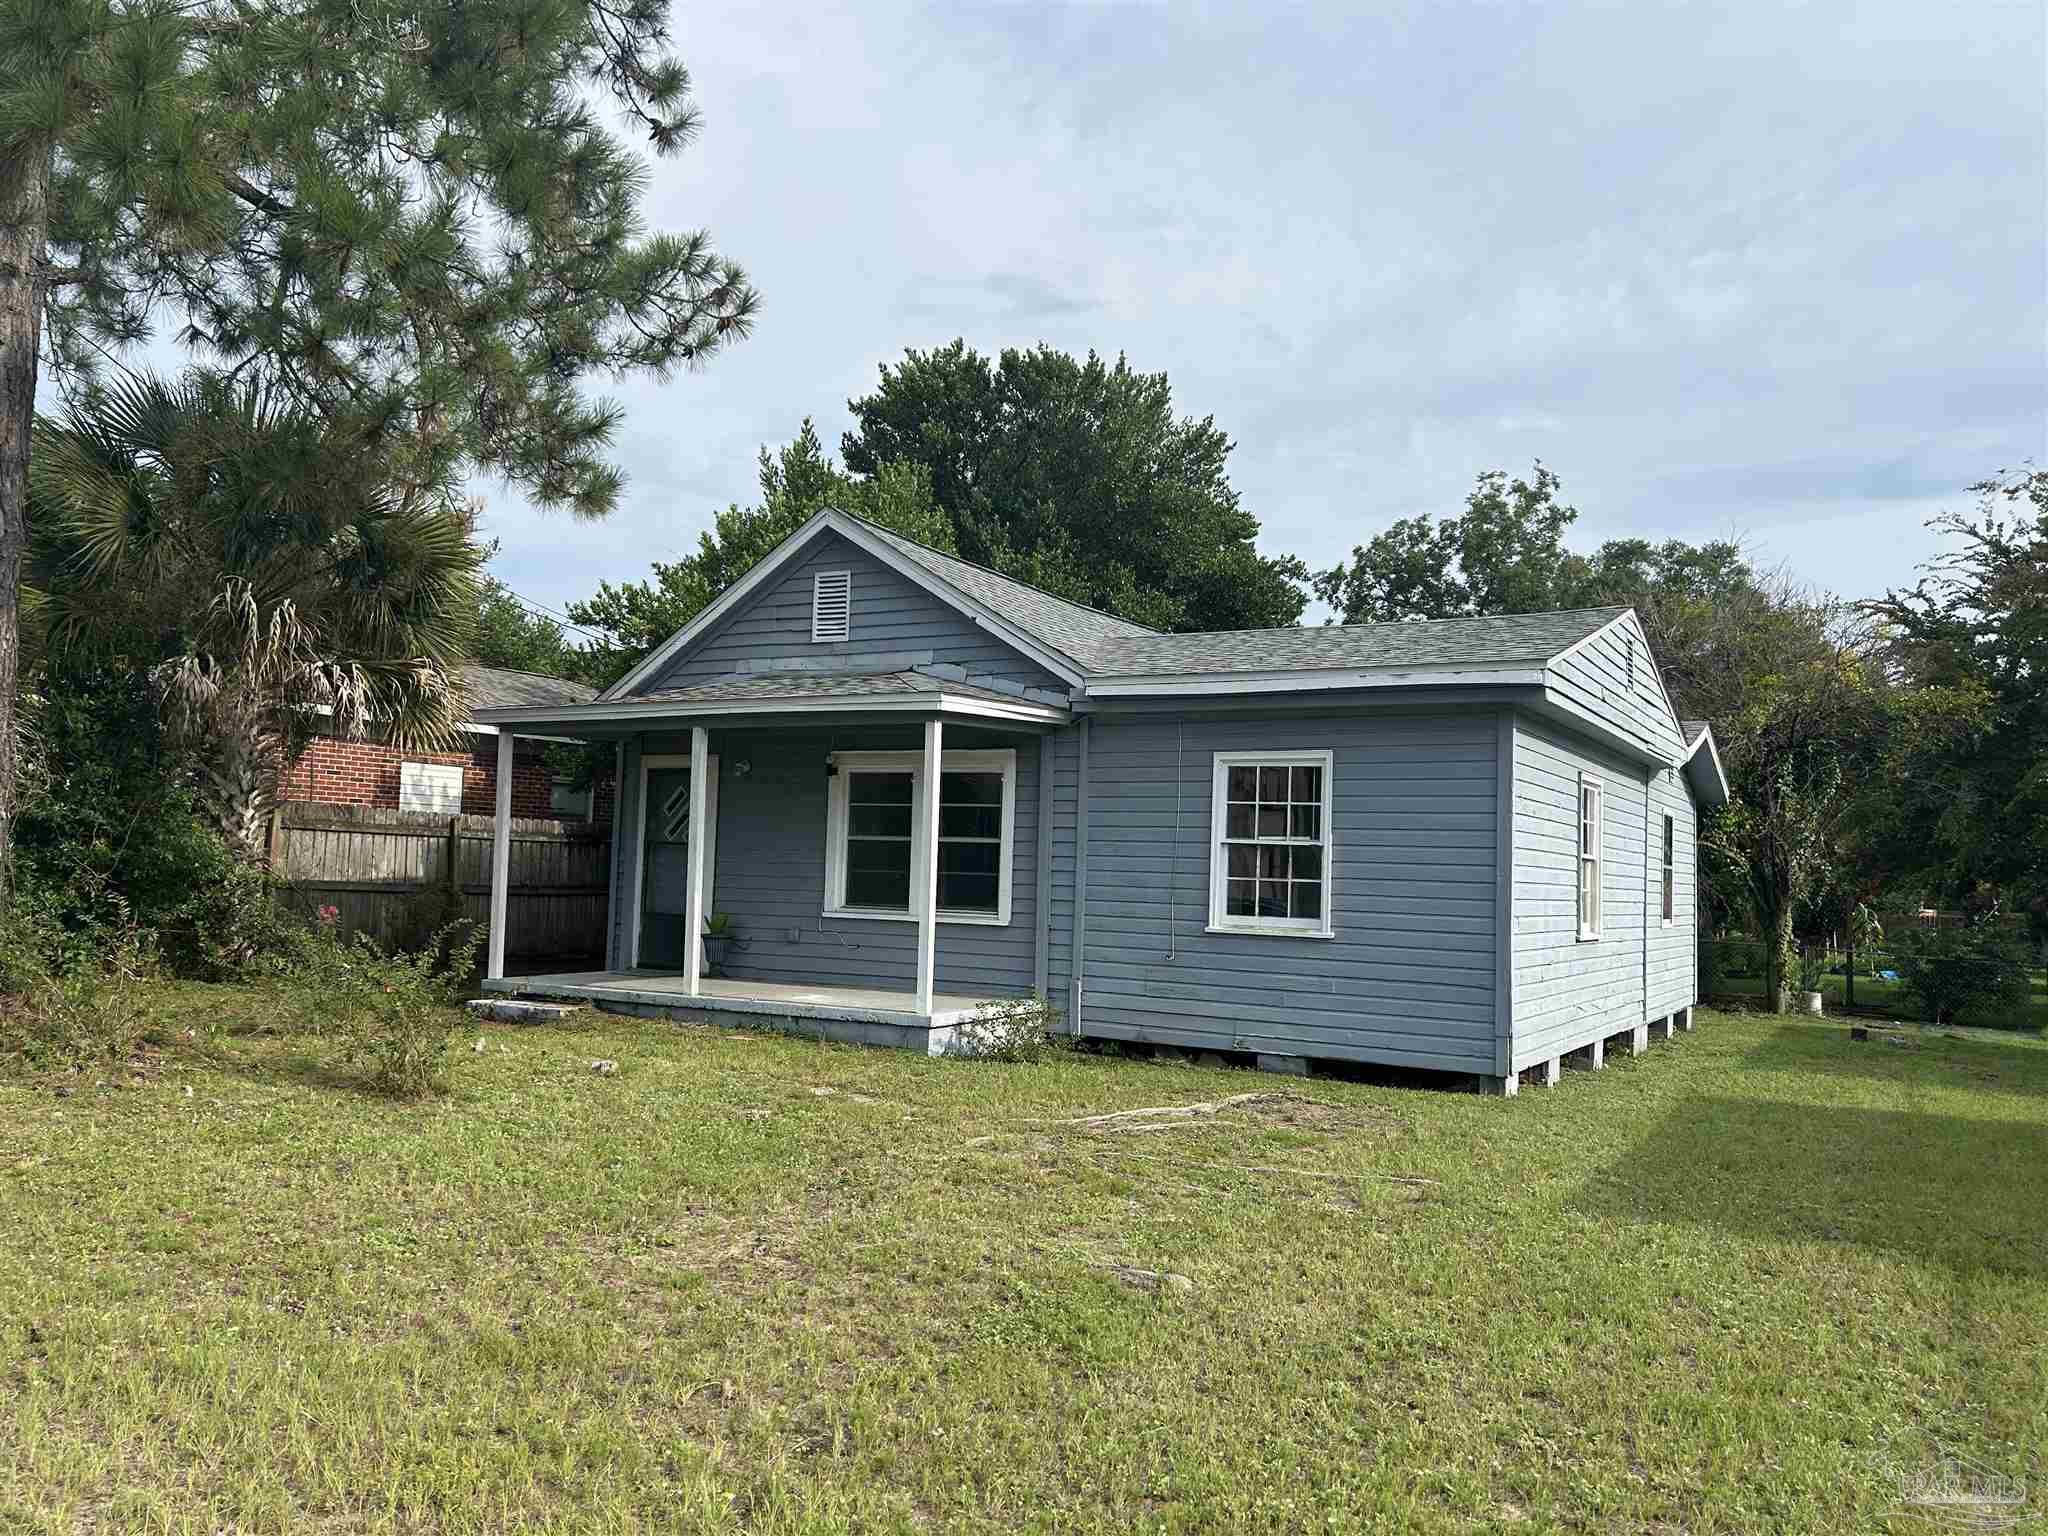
(796, 693)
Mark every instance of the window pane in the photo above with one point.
(1240, 821)
(1272, 783)
(1240, 898)
(1242, 862)
(1307, 786)
(879, 788)
(970, 859)
(1272, 820)
(1273, 862)
(1305, 821)
(879, 853)
(1308, 898)
(967, 892)
(884, 888)
(878, 820)
(1308, 863)
(1244, 784)
(970, 789)
(970, 821)
(1272, 898)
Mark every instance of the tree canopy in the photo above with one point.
(796, 483)
(1076, 476)
(415, 220)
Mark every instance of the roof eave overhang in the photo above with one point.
(612, 713)
(1324, 680)
(1703, 767)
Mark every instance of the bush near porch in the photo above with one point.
(1743, 1283)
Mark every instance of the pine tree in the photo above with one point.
(415, 219)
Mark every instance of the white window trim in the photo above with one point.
(1667, 866)
(1003, 761)
(648, 763)
(1589, 931)
(1220, 920)
(844, 579)
(440, 783)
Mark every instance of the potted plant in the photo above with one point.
(1813, 965)
(717, 940)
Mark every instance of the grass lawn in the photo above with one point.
(1891, 997)
(750, 1283)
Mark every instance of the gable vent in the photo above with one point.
(831, 604)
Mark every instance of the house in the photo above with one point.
(914, 786)
(372, 771)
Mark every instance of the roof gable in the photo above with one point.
(1031, 624)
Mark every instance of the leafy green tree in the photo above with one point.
(1505, 554)
(796, 483)
(1972, 806)
(1076, 476)
(247, 556)
(413, 217)
(511, 634)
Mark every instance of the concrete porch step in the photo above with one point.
(516, 1010)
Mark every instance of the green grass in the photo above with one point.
(1890, 997)
(1732, 1286)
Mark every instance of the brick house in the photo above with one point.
(332, 771)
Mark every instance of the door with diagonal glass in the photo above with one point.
(665, 858)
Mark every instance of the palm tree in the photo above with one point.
(265, 570)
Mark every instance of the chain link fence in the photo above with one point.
(2005, 990)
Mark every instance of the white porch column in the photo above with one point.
(926, 843)
(693, 906)
(501, 856)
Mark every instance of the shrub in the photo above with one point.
(1026, 1030)
(108, 839)
(81, 1015)
(1956, 971)
(391, 1014)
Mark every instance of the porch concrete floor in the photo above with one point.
(867, 1005)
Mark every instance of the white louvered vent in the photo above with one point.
(831, 604)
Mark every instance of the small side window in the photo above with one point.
(1670, 869)
(1590, 829)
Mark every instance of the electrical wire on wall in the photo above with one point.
(1173, 868)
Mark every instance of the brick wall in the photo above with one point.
(335, 772)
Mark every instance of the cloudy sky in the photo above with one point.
(1769, 269)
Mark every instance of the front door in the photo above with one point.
(665, 858)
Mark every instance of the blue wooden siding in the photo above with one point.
(1595, 680)
(1060, 920)
(1569, 992)
(1409, 977)
(1673, 948)
(894, 625)
(769, 872)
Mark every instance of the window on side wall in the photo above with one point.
(1269, 855)
(1670, 868)
(1590, 828)
(873, 822)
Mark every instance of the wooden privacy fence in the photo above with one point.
(381, 869)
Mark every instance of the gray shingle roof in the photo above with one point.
(771, 686)
(1501, 641)
(1068, 628)
(1692, 730)
(501, 688)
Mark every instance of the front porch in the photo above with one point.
(853, 1015)
(852, 857)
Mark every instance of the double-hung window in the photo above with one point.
(1670, 869)
(1589, 856)
(1269, 857)
(873, 819)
